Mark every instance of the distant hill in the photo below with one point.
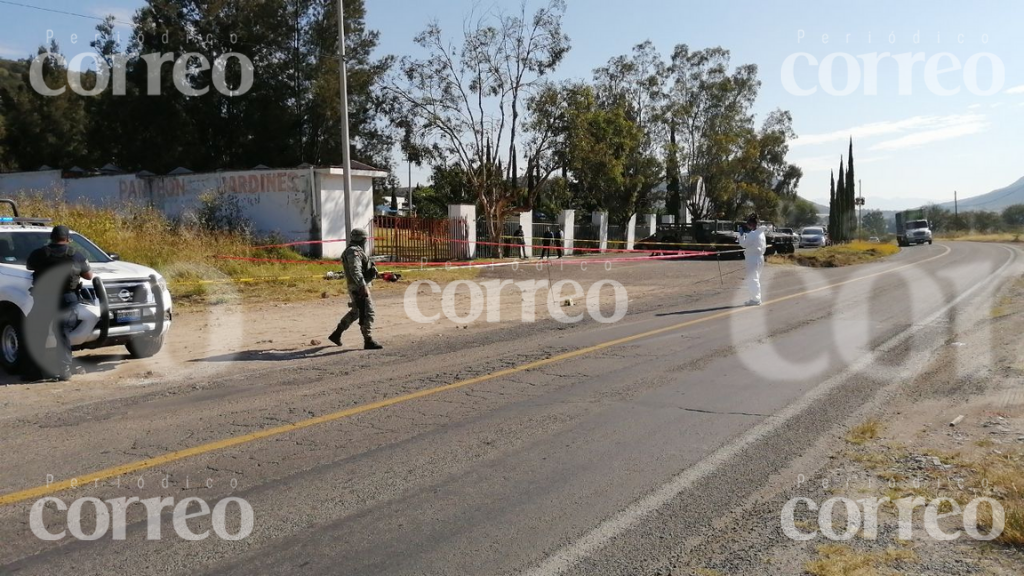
(994, 201)
(820, 208)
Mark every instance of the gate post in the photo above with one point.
(651, 221)
(462, 218)
(631, 232)
(567, 222)
(600, 219)
(526, 221)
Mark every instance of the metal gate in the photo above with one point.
(413, 239)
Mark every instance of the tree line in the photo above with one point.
(289, 117)
(943, 220)
(645, 131)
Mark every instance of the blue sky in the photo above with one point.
(908, 148)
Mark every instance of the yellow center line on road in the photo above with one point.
(133, 467)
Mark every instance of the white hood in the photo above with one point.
(106, 270)
(119, 270)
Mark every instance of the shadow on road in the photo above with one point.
(701, 311)
(275, 355)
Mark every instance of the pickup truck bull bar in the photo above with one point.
(108, 308)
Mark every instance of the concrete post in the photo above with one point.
(459, 215)
(651, 224)
(600, 219)
(631, 232)
(526, 221)
(567, 221)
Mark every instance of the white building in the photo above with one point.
(298, 205)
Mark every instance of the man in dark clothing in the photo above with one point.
(546, 243)
(57, 270)
(359, 273)
(519, 241)
(558, 242)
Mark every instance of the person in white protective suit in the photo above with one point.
(754, 246)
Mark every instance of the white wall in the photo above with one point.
(332, 206)
(26, 182)
(298, 205)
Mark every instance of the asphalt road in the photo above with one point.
(543, 449)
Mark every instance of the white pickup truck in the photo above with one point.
(124, 305)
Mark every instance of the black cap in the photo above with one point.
(60, 234)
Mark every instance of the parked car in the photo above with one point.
(874, 240)
(124, 305)
(813, 237)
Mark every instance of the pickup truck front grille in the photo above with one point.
(128, 294)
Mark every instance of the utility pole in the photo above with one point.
(345, 152)
(409, 199)
(860, 207)
(956, 211)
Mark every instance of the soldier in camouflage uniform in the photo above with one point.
(359, 273)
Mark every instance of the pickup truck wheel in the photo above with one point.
(145, 346)
(11, 340)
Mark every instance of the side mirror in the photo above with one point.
(114, 257)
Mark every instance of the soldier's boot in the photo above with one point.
(371, 344)
(335, 337)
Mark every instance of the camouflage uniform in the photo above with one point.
(359, 273)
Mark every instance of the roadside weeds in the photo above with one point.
(922, 451)
(836, 256)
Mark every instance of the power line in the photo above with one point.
(64, 12)
(991, 200)
(99, 19)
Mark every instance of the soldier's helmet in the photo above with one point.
(358, 235)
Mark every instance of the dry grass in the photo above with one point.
(865, 432)
(836, 256)
(1006, 305)
(1002, 477)
(1000, 237)
(189, 257)
(997, 474)
(839, 560)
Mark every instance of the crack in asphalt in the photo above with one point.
(717, 413)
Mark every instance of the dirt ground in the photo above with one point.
(908, 447)
(226, 338)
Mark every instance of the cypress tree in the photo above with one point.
(833, 208)
(841, 195)
(851, 192)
